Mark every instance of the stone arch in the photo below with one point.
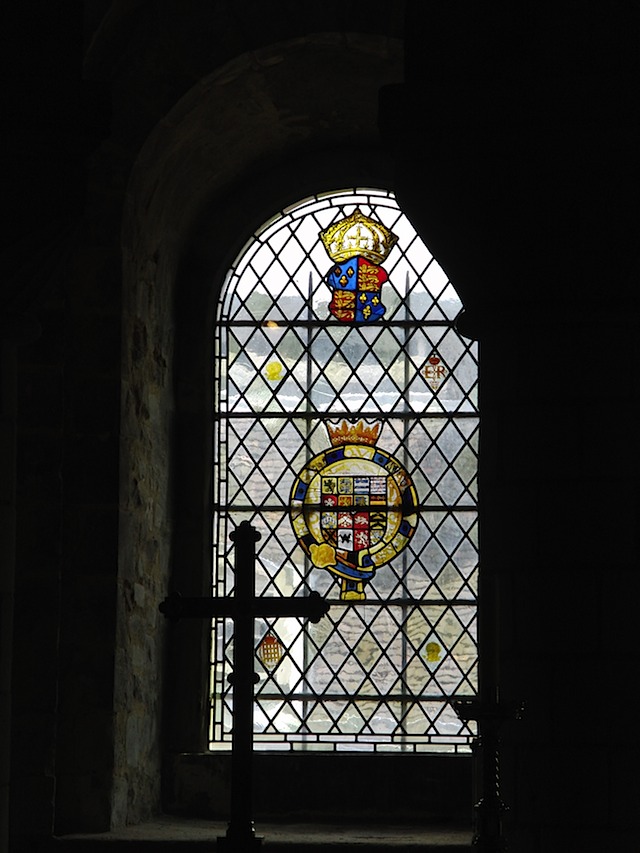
(257, 133)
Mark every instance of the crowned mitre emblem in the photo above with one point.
(353, 507)
(358, 245)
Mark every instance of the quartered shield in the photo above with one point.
(357, 285)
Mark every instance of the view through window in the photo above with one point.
(346, 430)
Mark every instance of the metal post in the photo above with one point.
(490, 715)
(241, 834)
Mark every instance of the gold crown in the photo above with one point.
(353, 433)
(358, 235)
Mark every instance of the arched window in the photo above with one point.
(346, 431)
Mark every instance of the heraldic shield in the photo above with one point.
(353, 507)
(358, 245)
(356, 288)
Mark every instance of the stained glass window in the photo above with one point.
(346, 431)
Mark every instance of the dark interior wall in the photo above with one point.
(62, 448)
(520, 172)
(7, 559)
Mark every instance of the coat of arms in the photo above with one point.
(353, 507)
(358, 245)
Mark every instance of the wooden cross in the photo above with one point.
(243, 608)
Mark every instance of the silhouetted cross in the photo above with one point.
(243, 608)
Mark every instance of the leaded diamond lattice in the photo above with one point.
(379, 674)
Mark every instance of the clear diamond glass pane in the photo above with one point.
(380, 519)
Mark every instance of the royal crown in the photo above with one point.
(358, 235)
(353, 433)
